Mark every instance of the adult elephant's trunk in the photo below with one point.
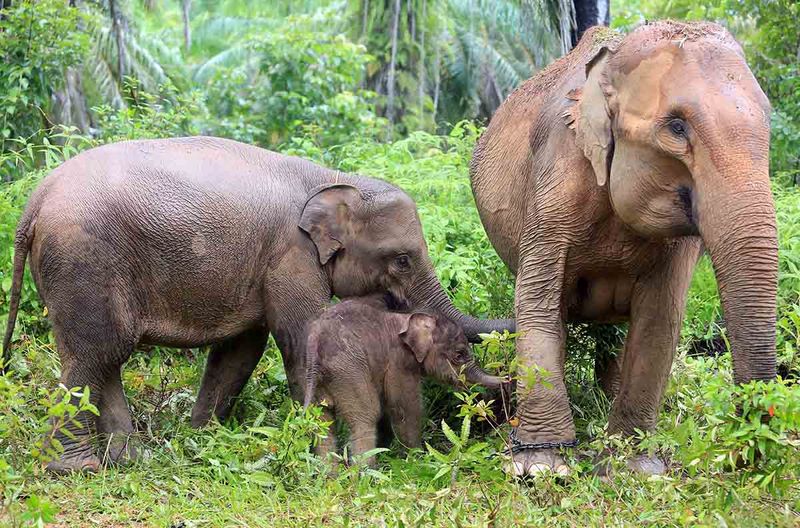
(428, 292)
(736, 218)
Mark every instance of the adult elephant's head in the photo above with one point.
(673, 121)
(372, 241)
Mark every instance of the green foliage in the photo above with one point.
(147, 116)
(463, 454)
(719, 428)
(301, 80)
(38, 41)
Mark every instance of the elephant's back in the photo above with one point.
(203, 164)
(502, 167)
(183, 183)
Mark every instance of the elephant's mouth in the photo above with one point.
(686, 202)
(395, 301)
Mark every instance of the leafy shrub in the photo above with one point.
(716, 427)
(300, 80)
(39, 41)
(148, 116)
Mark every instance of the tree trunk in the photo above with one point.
(589, 13)
(437, 83)
(390, 81)
(4, 4)
(118, 30)
(364, 19)
(421, 79)
(69, 104)
(186, 6)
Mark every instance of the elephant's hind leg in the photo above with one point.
(229, 366)
(92, 353)
(114, 425)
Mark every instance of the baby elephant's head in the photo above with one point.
(442, 349)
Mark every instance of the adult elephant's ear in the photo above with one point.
(328, 217)
(593, 117)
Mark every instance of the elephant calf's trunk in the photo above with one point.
(474, 374)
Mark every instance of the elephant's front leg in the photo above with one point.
(543, 408)
(657, 307)
(228, 368)
(298, 292)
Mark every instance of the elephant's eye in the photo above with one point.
(402, 262)
(678, 127)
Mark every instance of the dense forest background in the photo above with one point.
(400, 90)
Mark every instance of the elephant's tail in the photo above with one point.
(22, 245)
(312, 364)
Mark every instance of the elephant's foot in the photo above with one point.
(640, 464)
(119, 448)
(532, 462)
(647, 465)
(79, 462)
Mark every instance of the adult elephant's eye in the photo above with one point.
(677, 127)
(402, 262)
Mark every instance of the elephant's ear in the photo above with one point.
(418, 334)
(328, 216)
(593, 117)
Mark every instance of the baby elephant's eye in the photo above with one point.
(402, 262)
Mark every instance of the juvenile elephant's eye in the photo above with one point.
(462, 356)
(678, 127)
(402, 262)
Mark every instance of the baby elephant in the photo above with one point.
(366, 363)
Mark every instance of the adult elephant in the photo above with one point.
(196, 241)
(599, 181)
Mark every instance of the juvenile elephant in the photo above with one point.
(366, 362)
(196, 241)
(599, 181)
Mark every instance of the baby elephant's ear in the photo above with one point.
(418, 334)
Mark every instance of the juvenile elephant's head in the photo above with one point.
(443, 350)
(372, 242)
(674, 123)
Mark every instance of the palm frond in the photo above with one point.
(238, 55)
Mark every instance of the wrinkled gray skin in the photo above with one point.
(367, 363)
(599, 181)
(197, 241)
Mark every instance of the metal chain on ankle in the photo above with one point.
(517, 446)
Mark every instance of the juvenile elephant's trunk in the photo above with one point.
(736, 218)
(429, 293)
